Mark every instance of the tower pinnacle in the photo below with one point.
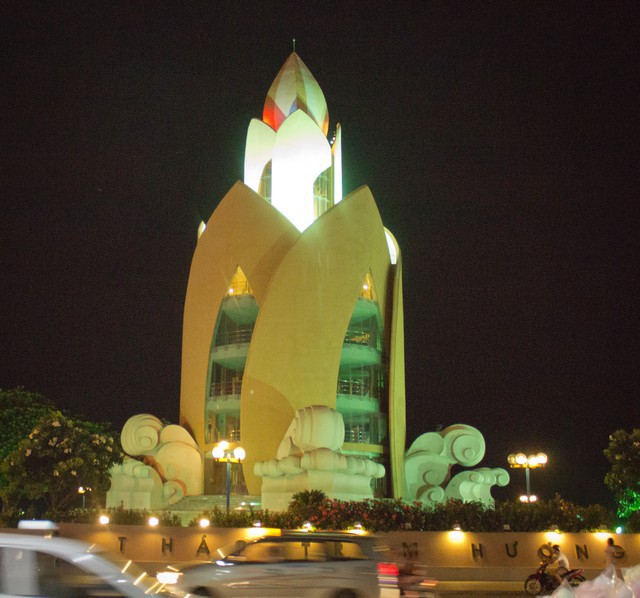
(295, 88)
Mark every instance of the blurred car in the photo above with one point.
(33, 565)
(302, 564)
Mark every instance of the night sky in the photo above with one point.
(499, 140)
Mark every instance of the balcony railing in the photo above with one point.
(234, 337)
(230, 434)
(358, 388)
(353, 387)
(354, 435)
(358, 338)
(363, 435)
(223, 389)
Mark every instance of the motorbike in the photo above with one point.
(413, 583)
(541, 581)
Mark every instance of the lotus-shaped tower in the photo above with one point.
(293, 343)
(294, 301)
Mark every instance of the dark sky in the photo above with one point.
(497, 138)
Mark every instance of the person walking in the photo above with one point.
(610, 553)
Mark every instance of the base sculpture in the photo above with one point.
(171, 466)
(309, 458)
(428, 464)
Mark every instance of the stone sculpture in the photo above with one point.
(170, 469)
(429, 461)
(309, 458)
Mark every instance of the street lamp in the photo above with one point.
(82, 491)
(223, 452)
(520, 460)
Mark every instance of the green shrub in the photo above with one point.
(220, 518)
(378, 515)
(305, 502)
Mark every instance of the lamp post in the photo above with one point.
(82, 491)
(520, 460)
(223, 452)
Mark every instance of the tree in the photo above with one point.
(623, 479)
(20, 410)
(59, 455)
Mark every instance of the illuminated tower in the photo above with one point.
(294, 299)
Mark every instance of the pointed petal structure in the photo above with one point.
(317, 318)
(300, 154)
(336, 153)
(259, 147)
(288, 159)
(295, 88)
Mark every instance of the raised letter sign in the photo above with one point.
(512, 554)
(121, 541)
(203, 548)
(167, 545)
(477, 550)
(582, 552)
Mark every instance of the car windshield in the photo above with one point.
(294, 549)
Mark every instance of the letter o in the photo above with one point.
(545, 552)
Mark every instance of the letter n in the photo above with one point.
(582, 552)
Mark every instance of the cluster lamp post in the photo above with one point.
(223, 452)
(520, 460)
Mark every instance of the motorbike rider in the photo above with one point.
(561, 561)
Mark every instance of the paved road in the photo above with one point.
(481, 594)
(480, 590)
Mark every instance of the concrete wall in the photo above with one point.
(443, 555)
(507, 556)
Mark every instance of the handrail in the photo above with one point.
(230, 387)
(234, 337)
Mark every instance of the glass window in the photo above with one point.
(298, 550)
(18, 572)
(343, 550)
(33, 573)
(61, 578)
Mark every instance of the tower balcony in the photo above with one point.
(365, 308)
(358, 350)
(226, 390)
(222, 416)
(241, 308)
(355, 396)
(223, 404)
(231, 349)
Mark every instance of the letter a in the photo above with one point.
(203, 548)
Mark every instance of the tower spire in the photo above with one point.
(294, 44)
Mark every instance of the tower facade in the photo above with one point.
(294, 300)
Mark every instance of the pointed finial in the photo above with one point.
(294, 44)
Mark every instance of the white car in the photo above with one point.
(301, 564)
(32, 565)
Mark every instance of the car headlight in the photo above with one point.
(168, 578)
